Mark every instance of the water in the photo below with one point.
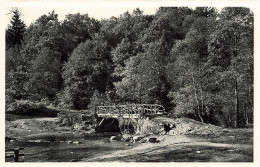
(62, 151)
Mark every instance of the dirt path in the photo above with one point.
(144, 148)
(176, 144)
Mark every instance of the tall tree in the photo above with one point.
(87, 70)
(44, 75)
(189, 58)
(15, 31)
(15, 62)
(231, 49)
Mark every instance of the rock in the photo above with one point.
(127, 144)
(230, 150)
(172, 125)
(69, 142)
(127, 137)
(137, 138)
(152, 140)
(38, 141)
(198, 152)
(12, 140)
(113, 138)
(9, 139)
(143, 141)
(161, 124)
(75, 160)
(171, 132)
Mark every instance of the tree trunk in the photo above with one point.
(197, 99)
(201, 97)
(237, 105)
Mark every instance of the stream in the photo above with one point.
(60, 150)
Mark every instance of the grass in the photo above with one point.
(188, 153)
(229, 136)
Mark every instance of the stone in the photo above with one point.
(137, 138)
(77, 142)
(69, 142)
(127, 139)
(152, 140)
(143, 141)
(171, 132)
(113, 138)
(75, 160)
(172, 125)
(230, 150)
(198, 152)
(161, 124)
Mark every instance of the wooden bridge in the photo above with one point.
(130, 110)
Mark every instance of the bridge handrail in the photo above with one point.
(130, 109)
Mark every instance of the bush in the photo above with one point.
(28, 108)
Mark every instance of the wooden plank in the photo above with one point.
(9, 156)
(12, 149)
(16, 155)
(101, 121)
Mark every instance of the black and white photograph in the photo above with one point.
(130, 83)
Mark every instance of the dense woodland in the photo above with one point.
(197, 62)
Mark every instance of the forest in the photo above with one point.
(196, 62)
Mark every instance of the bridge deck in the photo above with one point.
(129, 111)
(117, 115)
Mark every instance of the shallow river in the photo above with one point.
(59, 150)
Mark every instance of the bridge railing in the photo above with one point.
(131, 109)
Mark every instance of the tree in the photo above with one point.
(189, 58)
(231, 49)
(75, 29)
(14, 73)
(15, 31)
(44, 75)
(87, 70)
(143, 78)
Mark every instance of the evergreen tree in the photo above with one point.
(15, 31)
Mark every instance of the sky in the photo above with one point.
(97, 9)
(94, 8)
(31, 14)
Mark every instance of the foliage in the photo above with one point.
(87, 70)
(195, 62)
(15, 31)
